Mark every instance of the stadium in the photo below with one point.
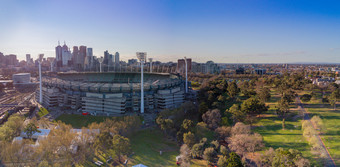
(112, 92)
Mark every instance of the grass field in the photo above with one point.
(270, 127)
(147, 144)
(79, 121)
(290, 138)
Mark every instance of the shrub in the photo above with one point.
(306, 97)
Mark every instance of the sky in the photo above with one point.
(225, 31)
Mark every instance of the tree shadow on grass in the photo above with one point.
(277, 127)
(301, 146)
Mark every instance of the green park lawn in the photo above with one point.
(270, 127)
(274, 136)
(79, 121)
(147, 144)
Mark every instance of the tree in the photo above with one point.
(234, 160)
(187, 125)
(212, 118)
(237, 114)
(11, 128)
(165, 124)
(264, 94)
(318, 123)
(103, 142)
(283, 110)
(197, 149)
(121, 146)
(223, 150)
(209, 154)
(244, 143)
(201, 130)
(185, 154)
(240, 128)
(306, 97)
(215, 144)
(333, 98)
(223, 132)
(253, 107)
(222, 161)
(282, 157)
(189, 139)
(247, 89)
(288, 95)
(30, 129)
(203, 107)
(59, 146)
(232, 89)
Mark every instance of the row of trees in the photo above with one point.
(65, 146)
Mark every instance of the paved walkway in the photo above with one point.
(330, 161)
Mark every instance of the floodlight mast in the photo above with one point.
(150, 59)
(142, 57)
(186, 75)
(100, 63)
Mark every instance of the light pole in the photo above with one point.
(142, 57)
(150, 59)
(40, 83)
(186, 75)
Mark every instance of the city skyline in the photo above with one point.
(225, 32)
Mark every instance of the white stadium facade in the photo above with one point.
(112, 92)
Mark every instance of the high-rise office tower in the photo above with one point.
(28, 58)
(75, 54)
(89, 59)
(106, 57)
(181, 65)
(66, 55)
(41, 57)
(81, 57)
(58, 55)
(117, 58)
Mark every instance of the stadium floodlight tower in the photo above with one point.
(100, 63)
(142, 57)
(150, 59)
(186, 75)
(40, 83)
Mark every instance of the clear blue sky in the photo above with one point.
(225, 31)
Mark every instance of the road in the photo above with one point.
(330, 161)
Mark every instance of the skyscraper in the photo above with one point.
(106, 57)
(66, 55)
(89, 59)
(117, 58)
(75, 54)
(58, 55)
(81, 57)
(28, 58)
(41, 57)
(181, 65)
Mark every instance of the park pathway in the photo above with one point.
(330, 161)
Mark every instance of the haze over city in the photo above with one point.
(222, 31)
